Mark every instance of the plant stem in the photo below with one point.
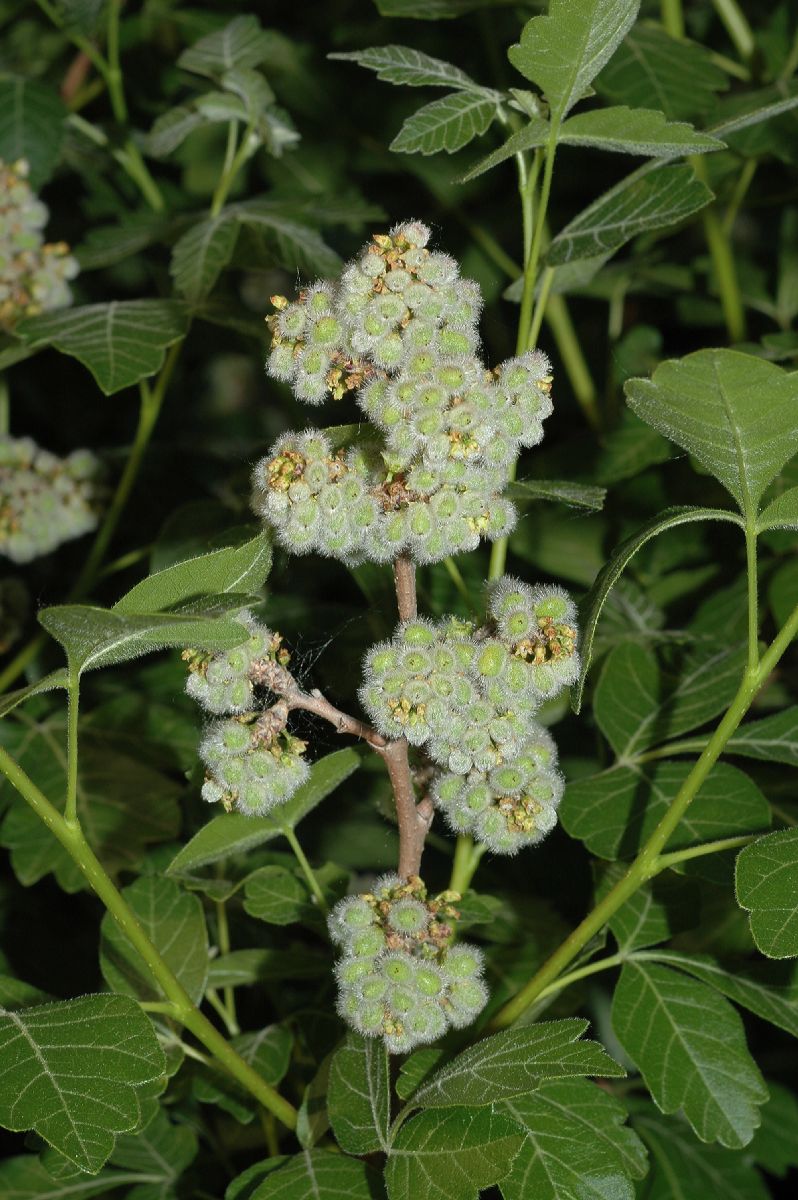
(184, 1010)
(673, 17)
(737, 27)
(404, 573)
(456, 577)
(741, 187)
(232, 165)
(593, 968)
(467, 858)
(540, 307)
(730, 843)
(753, 597)
(223, 934)
(73, 709)
(722, 256)
(647, 862)
(307, 870)
(5, 405)
(525, 341)
(113, 74)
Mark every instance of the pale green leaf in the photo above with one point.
(359, 1095)
(446, 124)
(241, 569)
(684, 1169)
(241, 43)
(32, 119)
(576, 495)
(734, 412)
(410, 68)
(577, 1145)
(72, 1071)
(676, 75)
(767, 886)
(689, 1045)
(201, 254)
(451, 1154)
(562, 53)
(174, 922)
(772, 739)
(514, 1062)
(781, 513)
(317, 1174)
(642, 202)
(121, 342)
(274, 895)
(235, 833)
(643, 131)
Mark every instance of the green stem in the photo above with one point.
(73, 710)
(230, 1024)
(546, 281)
(737, 27)
(184, 1010)
(467, 857)
(731, 843)
(233, 162)
(647, 862)
(223, 934)
(753, 596)
(307, 870)
(722, 256)
(527, 181)
(686, 746)
(456, 577)
(673, 17)
(593, 968)
(114, 73)
(741, 187)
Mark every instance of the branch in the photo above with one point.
(404, 573)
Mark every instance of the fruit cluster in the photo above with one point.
(44, 500)
(253, 762)
(399, 975)
(469, 695)
(33, 273)
(399, 330)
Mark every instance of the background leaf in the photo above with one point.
(32, 119)
(767, 885)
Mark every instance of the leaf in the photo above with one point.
(577, 1145)
(654, 913)
(656, 200)
(235, 833)
(286, 242)
(243, 569)
(596, 598)
(516, 1061)
(775, 1143)
(766, 881)
(71, 1071)
(313, 1120)
(451, 1154)
(359, 1095)
(678, 75)
(781, 513)
(446, 124)
(32, 119)
(121, 343)
(101, 637)
(201, 254)
(162, 1151)
(734, 412)
(689, 1045)
(577, 495)
(274, 895)
(614, 812)
(638, 705)
(417, 1067)
(241, 43)
(563, 52)
(106, 245)
(317, 1173)
(175, 924)
(684, 1169)
(15, 993)
(25, 1178)
(642, 131)
(172, 128)
(430, 10)
(535, 133)
(242, 967)
(410, 68)
(773, 739)
(754, 116)
(10, 700)
(267, 1050)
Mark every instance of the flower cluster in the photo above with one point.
(33, 273)
(399, 330)
(399, 975)
(253, 762)
(44, 500)
(468, 695)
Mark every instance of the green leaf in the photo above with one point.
(15, 993)
(596, 598)
(684, 1169)
(175, 924)
(781, 513)
(235, 833)
(242, 967)
(516, 1061)
(638, 705)
(359, 1095)
(656, 200)
(106, 245)
(767, 885)
(577, 1145)
(563, 52)
(642, 131)
(734, 412)
(241, 43)
(72, 1070)
(101, 637)
(318, 1173)
(201, 254)
(267, 1050)
(417, 1067)
(775, 1144)
(430, 10)
(25, 1178)
(32, 119)
(576, 495)
(451, 1154)
(679, 75)
(274, 895)
(242, 569)
(284, 241)
(162, 1151)
(56, 679)
(689, 1045)
(654, 913)
(614, 812)
(773, 739)
(754, 116)
(446, 124)
(410, 68)
(172, 128)
(535, 133)
(121, 342)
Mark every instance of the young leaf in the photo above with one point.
(121, 343)
(242, 569)
(174, 922)
(577, 1145)
(451, 1154)
(201, 254)
(32, 119)
(767, 885)
(534, 133)
(689, 1045)
(72, 1071)
(446, 124)
(235, 833)
(734, 412)
(516, 1061)
(680, 74)
(317, 1173)
(655, 200)
(410, 68)
(682, 1168)
(641, 131)
(274, 895)
(781, 513)
(359, 1095)
(241, 43)
(773, 739)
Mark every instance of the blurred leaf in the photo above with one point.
(161, 1151)
(773, 739)
(289, 243)
(767, 885)
(243, 967)
(781, 513)
(682, 1168)
(201, 254)
(267, 1050)
(775, 1143)
(664, 907)
(577, 495)
(274, 895)
(651, 64)
(241, 43)
(318, 1173)
(56, 679)
(32, 119)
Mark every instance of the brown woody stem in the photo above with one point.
(404, 573)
